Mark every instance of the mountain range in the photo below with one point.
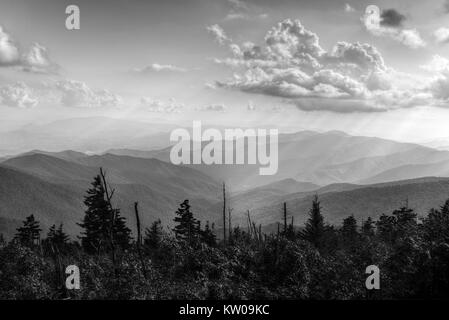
(363, 176)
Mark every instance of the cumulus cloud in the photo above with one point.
(387, 26)
(438, 64)
(441, 35)
(36, 59)
(18, 95)
(79, 94)
(156, 67)
(218, 33)
(153, 105)
(292, 65)
(439, 85)
(9, 52)
(392, 18)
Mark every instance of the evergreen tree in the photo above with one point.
(153, 235)
(349, 233)
(208, 235)
(57, 238)
(315, 228)
(385, 226)
(187, 226)
(368, 228)
(406, 221)
(122, 234)
(29, 234)
(97, 221)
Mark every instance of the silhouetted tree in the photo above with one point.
(57, 237)
(208, 236)
(29, 234)
(315, 229)
(97, 221)
(187, 226)
(153, 235)
(368, 227)
(349, 233)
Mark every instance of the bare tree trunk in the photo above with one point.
(139, 240)
(230, 223)
(111, 227)
(285, 217)
(224, 213)
(249, 224)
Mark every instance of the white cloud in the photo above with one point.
(153, 105)
(78, 94)
(36, 59)
(438, 64)
(156, 67)
(441, 35)
(408, 37)
(218, 33)
(439, 85)
(18, 95)
(292, 65)
(9, 52)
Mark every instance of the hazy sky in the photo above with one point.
(289, 64)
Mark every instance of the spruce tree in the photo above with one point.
(97, 221)
(57, 238)
(315, 227)
(368, 227)
(187, 226)
(348, 231)
(153, 235)
(29, 234)
(208, 236)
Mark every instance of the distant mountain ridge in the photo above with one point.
(158, 186)
(352, 175)
(323, 158)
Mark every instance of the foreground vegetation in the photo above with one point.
(318, 261)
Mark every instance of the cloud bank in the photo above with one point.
(78, 94)
(351, 77)
(18, 95)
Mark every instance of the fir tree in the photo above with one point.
(368, 227)
(187, 226)
(208, 235)
(57, 238)
(153, 235)
(97, 221)
(315, 228)
(348, 231)
(29, 234)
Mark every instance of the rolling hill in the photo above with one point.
(158, 186)
(343, 200)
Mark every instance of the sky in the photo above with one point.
(287, 64)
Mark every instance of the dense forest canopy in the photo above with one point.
(316, 261)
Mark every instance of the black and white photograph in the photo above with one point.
(224, 150)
